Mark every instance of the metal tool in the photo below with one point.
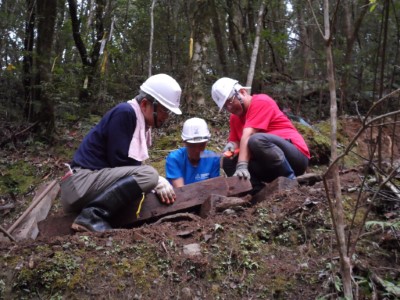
(228, 154)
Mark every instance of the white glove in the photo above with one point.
(165, 190)
(230, 147)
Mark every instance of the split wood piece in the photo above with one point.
(187, 197)
(218, 203)
(26, 225)
(278, 185)
(178, 217)
(309, 178)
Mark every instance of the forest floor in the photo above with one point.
(283, 248)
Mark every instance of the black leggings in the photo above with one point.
(267, 155)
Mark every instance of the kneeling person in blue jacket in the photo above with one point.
(192, 163)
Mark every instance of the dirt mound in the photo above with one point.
(282, 248)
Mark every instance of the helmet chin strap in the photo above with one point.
(155, 113)
(237, 94)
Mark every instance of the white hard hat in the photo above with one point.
(165, 90)
(195, 130)
(223, 89)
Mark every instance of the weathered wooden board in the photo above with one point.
(218, 203)
(188, 196)
(27, 227)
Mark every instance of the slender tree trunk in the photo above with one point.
(337, 207)
(153, 3)
(383, 55)
(28, 58)
(253, 60)
(351, 34)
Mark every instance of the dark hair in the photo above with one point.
(143, 95)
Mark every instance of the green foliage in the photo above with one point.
(395, 224)
(54, 273)
(19, 177)
(373, 4)
(318, 142)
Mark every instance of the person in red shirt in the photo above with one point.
(269, 145)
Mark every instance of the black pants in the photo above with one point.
(267, 155)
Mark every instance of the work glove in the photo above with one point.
(165, 191)
(230, 146)
(242, 170)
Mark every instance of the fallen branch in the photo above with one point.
(14, 135)
(7, 206)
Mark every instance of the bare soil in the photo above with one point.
(283, 248)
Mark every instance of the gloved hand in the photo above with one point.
(165, 191)
(230, 146)
(242, 170)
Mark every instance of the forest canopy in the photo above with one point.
(68, 58)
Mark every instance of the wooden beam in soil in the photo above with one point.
(187, 197)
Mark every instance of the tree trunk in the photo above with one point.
(219, 37)
(253, 60)
(153, 3)
(46, 12)
(337, 207)
(89, 62)
(305, 41)
(351, 34)
(197, 66)
(28, 57)
(233, 37)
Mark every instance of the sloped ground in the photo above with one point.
(283, 248)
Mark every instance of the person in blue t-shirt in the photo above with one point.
(192, 163)
(106, 176)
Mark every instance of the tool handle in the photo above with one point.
(231, 153)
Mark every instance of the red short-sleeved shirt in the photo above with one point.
(264, 114)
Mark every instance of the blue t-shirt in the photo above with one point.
(178, 165)
(107, 144)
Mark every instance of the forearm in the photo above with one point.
(178, 182)
(244, 154)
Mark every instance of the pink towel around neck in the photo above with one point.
(141, 138)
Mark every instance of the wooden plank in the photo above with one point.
(218, 203)
(278, 185)
(27, 227)
(35, 201)
(188, 196)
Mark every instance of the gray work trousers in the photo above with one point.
(84, 185)
(267, 154)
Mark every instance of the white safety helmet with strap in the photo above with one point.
(165, 90)
(195, 130)
(223, 89)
